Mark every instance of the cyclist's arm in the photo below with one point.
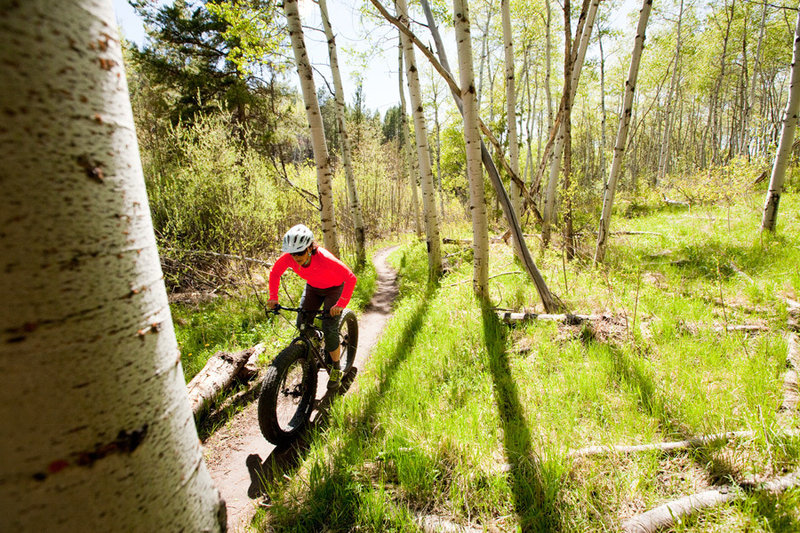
(349, 285)
(275, 274)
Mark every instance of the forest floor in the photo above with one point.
(239, 457)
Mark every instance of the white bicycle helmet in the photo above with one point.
(297, 239)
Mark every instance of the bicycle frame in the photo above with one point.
(309, 334)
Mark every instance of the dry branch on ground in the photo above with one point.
(667, 514)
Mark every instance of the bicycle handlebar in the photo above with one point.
(278, 307)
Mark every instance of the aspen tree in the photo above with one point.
(622, 133)
(318, 144)
(472, 138)
(98, 432)
(423, 151)
(790, 118)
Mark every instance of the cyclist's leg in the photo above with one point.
(330, 324)
(309, 302)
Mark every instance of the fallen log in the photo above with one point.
(694, 442)
(218, 374)
(510, 317)
(667, 514)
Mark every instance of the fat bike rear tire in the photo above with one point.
(348, 337)
(287, 395)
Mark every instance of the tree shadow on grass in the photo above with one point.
(333, 493)
(720, 468)
(534, 484)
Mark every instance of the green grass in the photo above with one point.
(460, 416)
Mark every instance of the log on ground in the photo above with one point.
(218, 374)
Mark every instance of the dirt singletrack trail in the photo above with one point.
(235, 453)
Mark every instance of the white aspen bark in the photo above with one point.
(318, 144)
(511, 103)
(548, 64)
(790, 117)
(423, 151)
(408, 154)
(604, 120)
(352, 191)
(548, 208)
(622, 133)
(98, 433)
(472, 137)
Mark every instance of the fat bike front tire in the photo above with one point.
(287, 395)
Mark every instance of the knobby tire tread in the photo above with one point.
(267, 402)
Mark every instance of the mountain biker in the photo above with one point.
(329, 283)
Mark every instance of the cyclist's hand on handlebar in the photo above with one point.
(336, 310)
(272, 305)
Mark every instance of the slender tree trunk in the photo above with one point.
(576, 57)
(790, 118)
(622, 134)
(318, 144)
(472, 137)
(98, 433)
(750, 103)
(511, 103)
(604, 120)
(663, 157)
(566, 125)
(405, 144)
(355, 205)
(484, 50)
(712, 127)
(548, 40)
(423, 150)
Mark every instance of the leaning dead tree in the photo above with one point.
(550, 302)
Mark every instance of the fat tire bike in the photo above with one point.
(289, 391)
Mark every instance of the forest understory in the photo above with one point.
(669, 384)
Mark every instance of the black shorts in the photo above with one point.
(311, 300)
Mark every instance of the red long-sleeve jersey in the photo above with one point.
(324, 271)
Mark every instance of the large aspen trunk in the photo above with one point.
(352, 191)
(472, 138)
(511, 102)
(98, 434)
(423, 151)
(790, 117)
(622, 133)
(318, 144)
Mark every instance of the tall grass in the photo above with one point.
(460, 416)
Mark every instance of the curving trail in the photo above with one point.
(237, 454)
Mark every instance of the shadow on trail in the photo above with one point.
(333, 493)
(534, 484)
